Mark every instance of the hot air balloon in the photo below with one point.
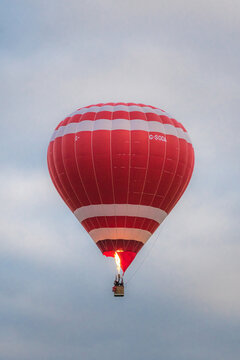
(120, 168)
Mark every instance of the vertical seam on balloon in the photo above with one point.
(192, 165)
(61, 142)
(147, 165)
(94, 170)
(169, 187)
(163, 164)
(80, 202)
(111, 167)
(181, 182)
(79, 173)
(189, 174)
(129, 167)
(129, 160)
(144, 220)
(54, 146)
(52, 168)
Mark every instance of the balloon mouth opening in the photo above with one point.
(123, 258)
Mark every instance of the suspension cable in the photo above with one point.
(147, 254)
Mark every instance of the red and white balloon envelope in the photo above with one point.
(120, 168)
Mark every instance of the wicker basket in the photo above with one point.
(119, 290)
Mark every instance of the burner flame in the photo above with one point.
(118, 262)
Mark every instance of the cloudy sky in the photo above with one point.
(182, 295)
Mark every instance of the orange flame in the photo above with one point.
(118, 262)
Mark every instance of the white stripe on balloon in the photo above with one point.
(121, 124)
(120, 233)
(143, 211)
